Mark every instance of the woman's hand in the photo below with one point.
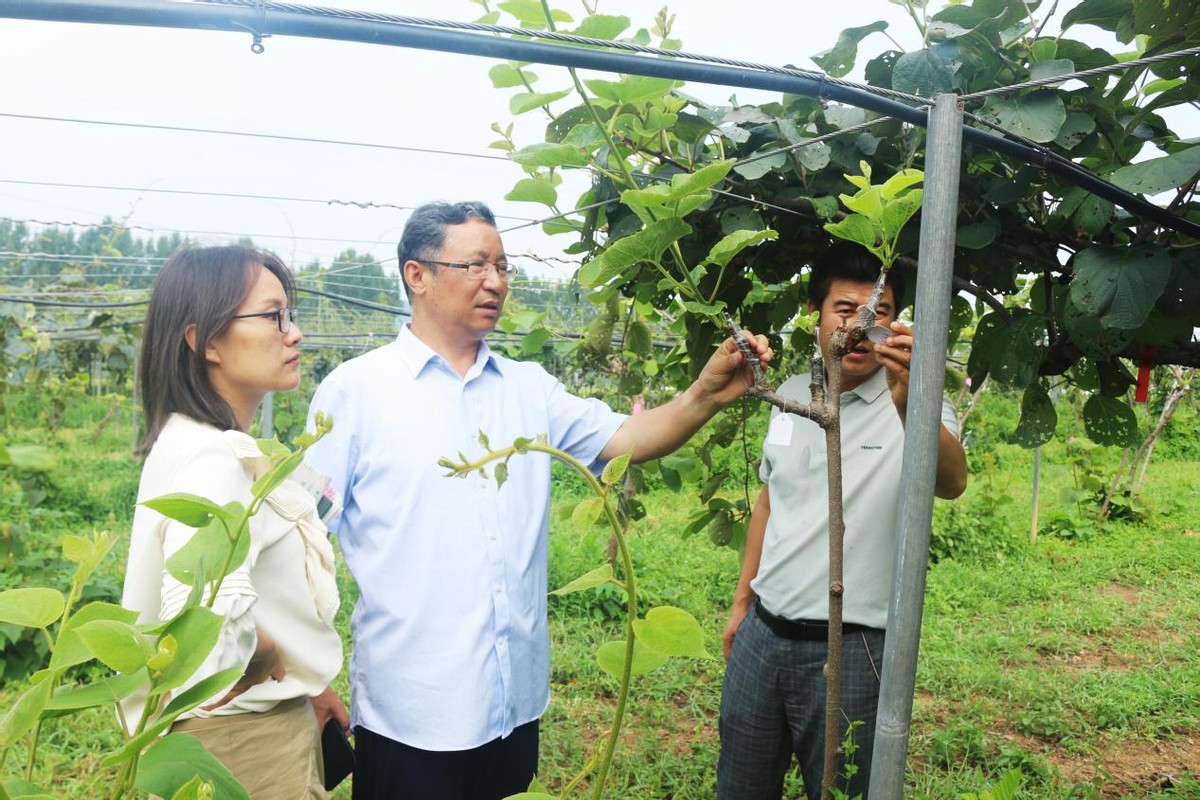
(327, 705)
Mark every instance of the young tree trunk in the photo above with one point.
(975, 395)
(1183, 384)
(1112, 487)
(837, 533)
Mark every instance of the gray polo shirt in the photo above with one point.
(793, 574)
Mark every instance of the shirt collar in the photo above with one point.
(869, 390)
(416, 355)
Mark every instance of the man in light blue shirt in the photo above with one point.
(451, 651)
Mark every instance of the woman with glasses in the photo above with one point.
(219, 336)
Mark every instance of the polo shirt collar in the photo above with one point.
(416, 355)
(869, 390)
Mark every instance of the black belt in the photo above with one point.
(806, 630)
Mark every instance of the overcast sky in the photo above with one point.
(318, 89)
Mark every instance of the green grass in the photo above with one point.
(1071, 660)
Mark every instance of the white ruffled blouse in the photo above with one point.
(286, 586)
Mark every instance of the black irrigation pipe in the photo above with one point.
(265, 19)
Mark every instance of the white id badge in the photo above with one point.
(780, 432)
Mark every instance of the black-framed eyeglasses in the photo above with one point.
(476, 269)
(284, 317)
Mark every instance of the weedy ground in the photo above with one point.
(1074, 659)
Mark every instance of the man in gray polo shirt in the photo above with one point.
(773, 699)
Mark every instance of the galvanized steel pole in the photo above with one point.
(922, 427)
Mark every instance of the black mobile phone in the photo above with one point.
(337, 754)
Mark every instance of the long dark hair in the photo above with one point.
(200, 286)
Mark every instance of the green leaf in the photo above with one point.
(706, 177)
(1109, 421)
(197, 561)
(839, 59)
(177, 759)
(188, 699)
(19, 789)
(990, 337)
(92, 695)
(897, 212)
(190, 509)
(546, 154)
(1159, 174)
(200, 691)
(509, 74)
(632, 88)
(638, 339)
(1038, 116)
(71, 650)
(119, 645)
(87, 553)
(904, 179)
(277, 474)
(27, 456)
(1077, 126)
(611, 657)
(647, 245)
(732, 244)
(590, 580)
(533, 341)
(1091, 336)
(1050, 68)
(671, 631)
(521, 103)
(533, 190)
(198, 629)
(272, 448)
(587, 513)
(977, 235)
(23, 714)
(856, 228)
(614, 470)
(193, 788)
(1119, 285)
(1093, 214)
(631, 384)
(501, 474)
(761, 165)
(602, 26)
(927, 72)
(33, 607)
(1038, 417)
(1015, 362)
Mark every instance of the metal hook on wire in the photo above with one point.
(256, 46)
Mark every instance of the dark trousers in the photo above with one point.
(773, 706)
(388, 770)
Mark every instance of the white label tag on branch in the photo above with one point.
(780, 432)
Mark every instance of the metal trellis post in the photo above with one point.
(922, 428)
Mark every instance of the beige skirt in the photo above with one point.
(275, 755)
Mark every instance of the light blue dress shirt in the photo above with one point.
(451, 647)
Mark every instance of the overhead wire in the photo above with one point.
(236, 195)
(248, 134)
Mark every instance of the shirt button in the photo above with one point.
(497, 588)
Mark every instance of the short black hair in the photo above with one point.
(425, 232)
(850, 262)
